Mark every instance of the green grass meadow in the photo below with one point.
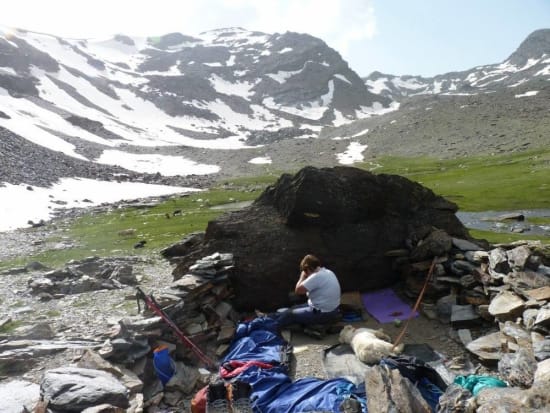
(498, 183)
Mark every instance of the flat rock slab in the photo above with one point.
(487, 348)
(539, 294)
(506, 305)
(75, 389)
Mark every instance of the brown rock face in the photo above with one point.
(346, 216)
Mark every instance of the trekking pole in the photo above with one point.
(417, 304)
(154, 306)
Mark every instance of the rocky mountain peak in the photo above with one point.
(535, 46)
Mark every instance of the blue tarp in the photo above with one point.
(259, 345)
(308, 395)
(272, 389)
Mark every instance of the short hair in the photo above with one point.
(309, 262)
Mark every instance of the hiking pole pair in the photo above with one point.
(155, 307)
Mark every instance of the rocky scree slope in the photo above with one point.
(448, 126)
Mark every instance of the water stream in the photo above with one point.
(503, 221)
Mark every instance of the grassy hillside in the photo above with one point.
(503, 182)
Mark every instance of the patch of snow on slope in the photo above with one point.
(242, 89)
(7, 71)
(230, 61)
(306, 136)
(326, 99)
(482, 85)
(343, 78)
(505, 67)
(519, 82)
(340, 119)
(50, 91)
(489, 76)
(144, 115)
(281, 76)
(233, 36)
(413, 84)
(113, 51)
(364, 131)
(377, 86)
(39, 203)
(153, 163)
(234, 120)
(240, 73)
(526, 94)
(61, 52)
(376, 109)
(260, 160)
(154, 131)
(308, 112)
(25, 119)
(528, 64)
(286, 50)
(353, 153)
(271, 121)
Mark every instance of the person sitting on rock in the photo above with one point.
(323, 291)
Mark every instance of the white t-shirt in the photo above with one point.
(323, 290)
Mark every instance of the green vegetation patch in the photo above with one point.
(491, 183)
(11, 326)
(500, 182)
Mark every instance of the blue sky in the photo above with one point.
(434, 37)
(418, 37)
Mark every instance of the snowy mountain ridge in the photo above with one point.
(530, 60)
(214, 92)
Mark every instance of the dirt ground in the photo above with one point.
(441, 337)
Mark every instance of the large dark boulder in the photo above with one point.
(346, 216)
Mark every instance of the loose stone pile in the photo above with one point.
(196, 303)
(501, 295)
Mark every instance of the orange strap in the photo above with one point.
(417, 304)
